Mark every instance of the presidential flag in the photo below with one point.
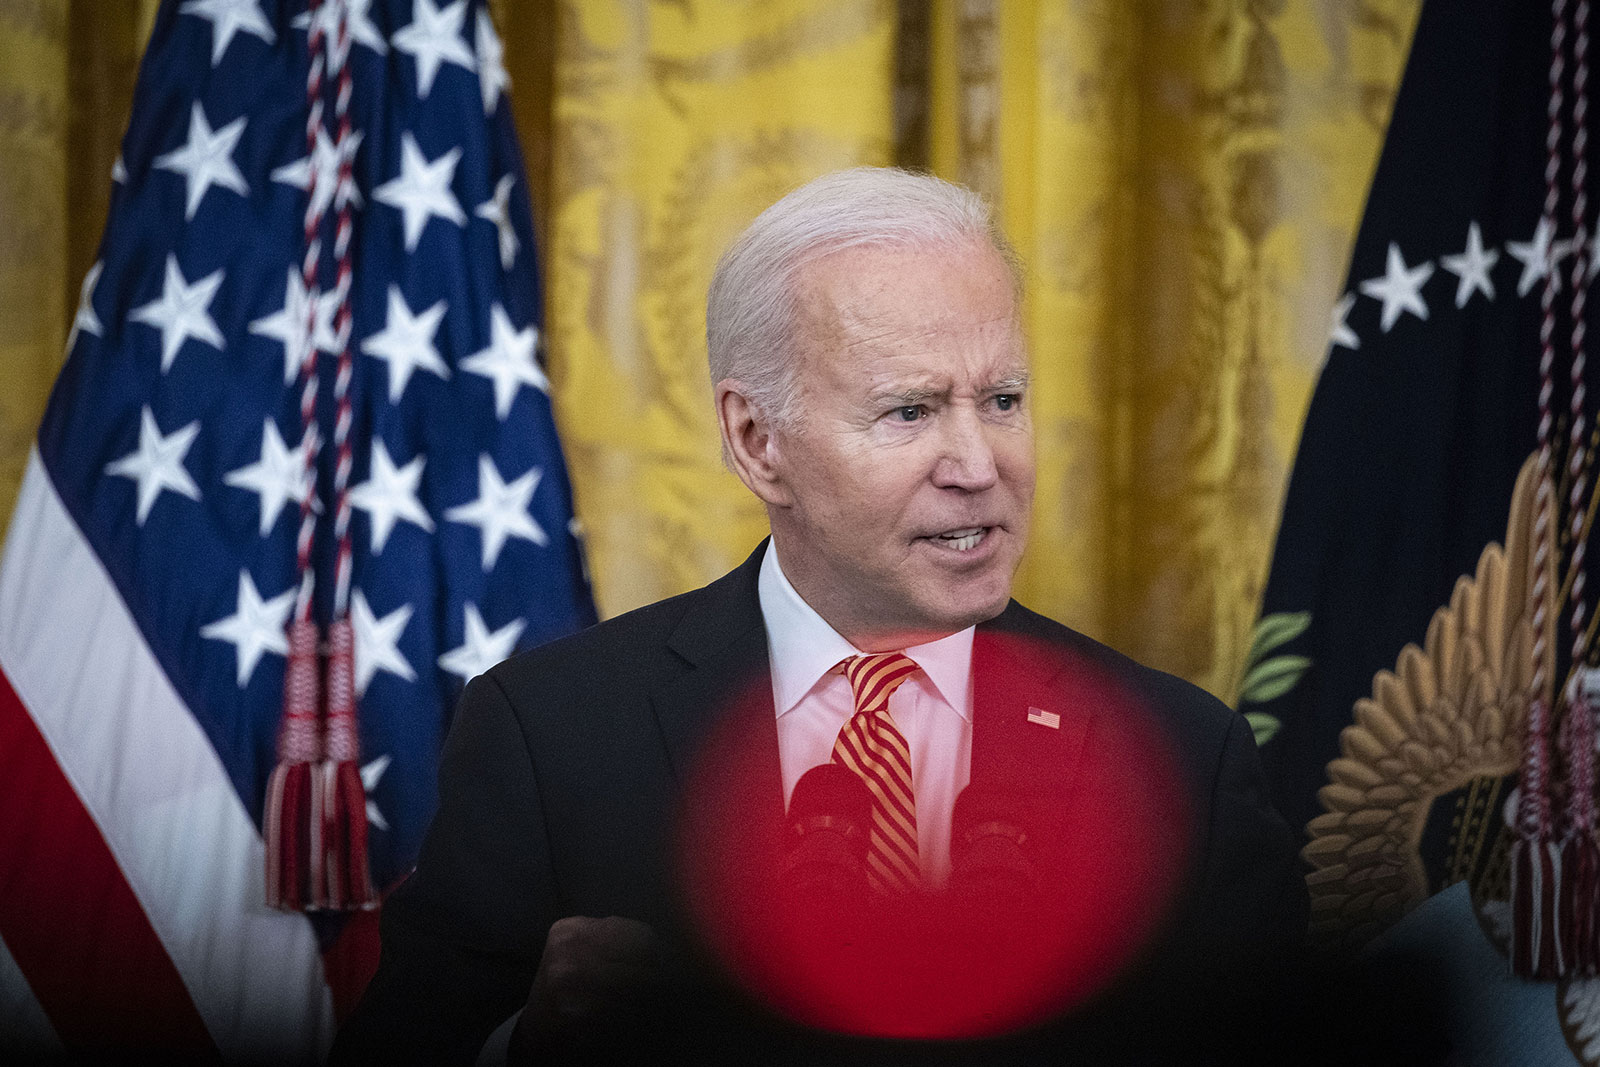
(306, 365)
(1425, 595)
(1425, 409)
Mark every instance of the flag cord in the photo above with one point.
(290, 823)
(342, 319)
(1555, 867)
(315, 821)
(348, 882)
(309, 266)
(1579, 728)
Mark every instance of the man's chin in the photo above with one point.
(956, 614)
(981, 595)
(984, 612)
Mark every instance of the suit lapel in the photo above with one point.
(727, 681)
(1028, 715)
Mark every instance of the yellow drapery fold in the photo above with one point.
(674, 126)
(1184, 182)
(1183, 179)
(34, 237)
(67, 69)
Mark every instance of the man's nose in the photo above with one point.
(966, 459)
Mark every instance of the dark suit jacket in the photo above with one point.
(565, 766)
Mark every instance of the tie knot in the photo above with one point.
(874, 677)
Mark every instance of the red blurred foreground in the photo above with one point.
(1107, 832)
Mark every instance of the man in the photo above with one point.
(871, 385)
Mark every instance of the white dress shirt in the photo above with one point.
(932, 708)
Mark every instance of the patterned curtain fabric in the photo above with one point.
(674, 126)
(66, 81)
(1183, 179)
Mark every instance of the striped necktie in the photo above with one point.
(872, 746)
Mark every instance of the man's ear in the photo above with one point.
(748, 444)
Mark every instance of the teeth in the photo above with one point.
(963, 540)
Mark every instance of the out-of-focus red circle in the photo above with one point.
(1110, 800)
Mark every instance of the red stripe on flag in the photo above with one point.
(70, 918)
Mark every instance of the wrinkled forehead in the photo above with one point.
(886, 261)
(872, 301)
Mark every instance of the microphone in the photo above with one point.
(992, 851)
(830, 814)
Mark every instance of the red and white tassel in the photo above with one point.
(1535, 910)
(1540, 896)
(1582, 855)
(347, 879)
(292, 823)
(1581, 861)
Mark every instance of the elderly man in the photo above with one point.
(871, 385)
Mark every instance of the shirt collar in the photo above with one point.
(804, 648)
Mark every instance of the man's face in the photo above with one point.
(903, 490)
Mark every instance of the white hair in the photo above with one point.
(753, 307)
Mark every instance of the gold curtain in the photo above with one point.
(1183, 179)
(66, 78)
(674, 126)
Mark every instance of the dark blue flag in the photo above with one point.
(1399, 650)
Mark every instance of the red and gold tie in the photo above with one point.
(872, 747)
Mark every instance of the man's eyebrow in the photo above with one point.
(911, 395)
(906, 397)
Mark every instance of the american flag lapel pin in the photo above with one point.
(1044, 718)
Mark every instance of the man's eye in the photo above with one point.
(908, 412)
(1007, 401)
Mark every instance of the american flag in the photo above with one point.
(151, 565)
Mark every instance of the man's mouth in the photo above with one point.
(964, 540)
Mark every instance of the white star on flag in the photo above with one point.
(497, 209)
(255, 627)
(406, 343)
(278, 477)
(288, 325)
(434, 37)
(324, 162)
(206, 159)
(182, 311)
(390, 494)
(376, 640)
(227, 18)
(501, 510)
(357, 21)
(86, 321)
(491, 63)
(422, 190)
(1400, 288)
(371, 775)
(1538, 256)
(119, 170)
(1340, 332)
(1472, 267)
(481, 649)
(508, 361)
(157, 464)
